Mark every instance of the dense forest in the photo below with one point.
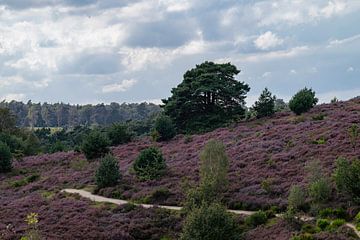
(66, 115)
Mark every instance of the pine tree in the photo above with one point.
(265, 106)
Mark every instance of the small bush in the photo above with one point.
(323, 224)
(319, 117)
(25, 181)
(150, 164)
(108, 173)
(354, 134)
(308, 228)
(119, 134)
(320, 191)
(303, 101)
(256, 219)
(304, 236)
(347, 178)
(5, 158)
(188, 138)
(266, 185)
(336, 224)
(296, 197)
(165, 127)
(95, 145)
(210, 222)
(333, 213)
(79, 164)
(319, 141)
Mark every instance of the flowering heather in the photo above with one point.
(273, 151)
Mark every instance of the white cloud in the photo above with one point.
(259, 57)
(333, 8)
(268, 40)
(293, 72)
(10, 81)
(344, 40)
(136, 59)
(14, 96)
(350, 69)
(176, 5)
(266, 74)
(119, 87)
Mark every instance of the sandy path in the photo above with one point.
(98, 198)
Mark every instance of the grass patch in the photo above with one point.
(79, 164)
(25, 181)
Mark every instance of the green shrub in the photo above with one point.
(354, 134)
(108, 173)
(319, 141)
(32, 145)
(323, 224)
(165, 127)
(265, 106)
(319, 117)
(319, 188)
(150, 164)
(308, 228)
(296, 197)
(25, 181)
(95, 145)
(214, 164)
(266, 185)
(304, 236)
(58, 146)
(347, 178)
(5, 158)
(320, 191)
(256, 219)
(210, 222)
(119, 134)
(333, 213)
(336, 224)
(79, 164)
(357, 218)
(188, 138)
(303, 101)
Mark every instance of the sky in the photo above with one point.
(93, 51)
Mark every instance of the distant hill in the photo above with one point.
(65, 115)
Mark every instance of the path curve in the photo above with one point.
(97, 198)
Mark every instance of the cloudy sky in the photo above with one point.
(91, 51)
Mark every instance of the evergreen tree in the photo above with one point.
(265, 106)
(208, 97)
(303, 101)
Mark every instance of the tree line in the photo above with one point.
(65, 115)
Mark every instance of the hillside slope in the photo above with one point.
(266, 157)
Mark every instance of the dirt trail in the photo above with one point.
(98, 198)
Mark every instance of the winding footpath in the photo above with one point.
(97, 198)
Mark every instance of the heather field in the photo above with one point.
(266, 156)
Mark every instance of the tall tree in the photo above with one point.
(208, 97)
(265, 106)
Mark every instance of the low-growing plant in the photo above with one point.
(5, 158)
(108, 173)
(347, 178)
(323, 224)
(256, 219)
(188, 138)
(296, 198)
(95, 145)
(25, 181)
(210, 222)
(319, 141)
(333, 213)
(304, 236)
(79, 164)
(266, 185)
(320, 190)
(150, 164)
(354, 134)
(319, 117)
(335, 224)
(32, 232)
